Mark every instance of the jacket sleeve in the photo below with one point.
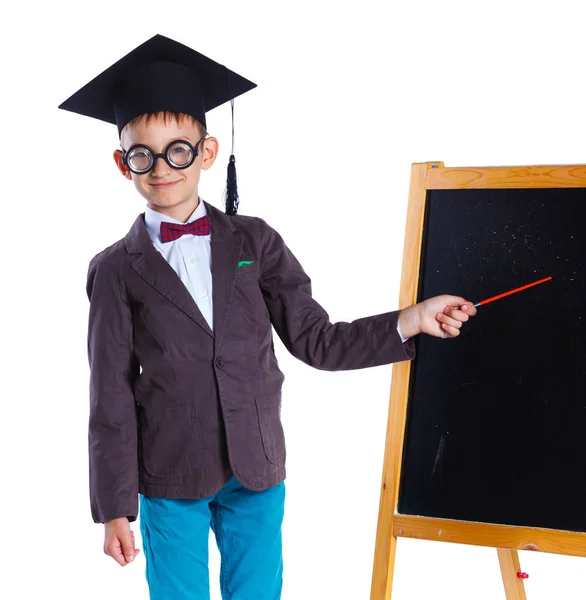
(113, 469)
(304, 326)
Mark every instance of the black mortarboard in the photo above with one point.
(162, 75)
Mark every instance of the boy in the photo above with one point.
(190, 296)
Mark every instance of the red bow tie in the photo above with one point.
(172, 231)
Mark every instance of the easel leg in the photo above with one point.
(510, 566)
(384, 563)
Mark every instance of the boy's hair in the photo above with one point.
(167, 115)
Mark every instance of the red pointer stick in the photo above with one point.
(519, 289)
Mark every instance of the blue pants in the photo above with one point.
(247, 526)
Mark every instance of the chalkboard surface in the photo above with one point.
(496, 420)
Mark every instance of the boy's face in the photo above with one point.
(179, 199)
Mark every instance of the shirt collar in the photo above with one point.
(153, 219)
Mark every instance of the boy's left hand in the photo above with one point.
(441, 316)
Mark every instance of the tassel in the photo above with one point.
(231, 188)
(231, 193)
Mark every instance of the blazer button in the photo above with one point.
(220, 362)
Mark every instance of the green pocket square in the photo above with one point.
(243, 263)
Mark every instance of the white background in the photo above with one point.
(349, 95)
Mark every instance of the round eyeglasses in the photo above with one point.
(179, 154)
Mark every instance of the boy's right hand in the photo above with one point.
(119, 541)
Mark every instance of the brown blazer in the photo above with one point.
(206, 404)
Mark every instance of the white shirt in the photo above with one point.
(191, 258)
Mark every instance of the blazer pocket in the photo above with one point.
(170, 441)
(268, 408)
(246, 274)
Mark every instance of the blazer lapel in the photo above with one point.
(158, 273)
(226, 248)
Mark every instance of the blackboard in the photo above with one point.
(496, 418)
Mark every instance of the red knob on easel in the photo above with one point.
(522, 575)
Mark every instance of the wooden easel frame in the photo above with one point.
(391, 524)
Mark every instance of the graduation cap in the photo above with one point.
(162, 75)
